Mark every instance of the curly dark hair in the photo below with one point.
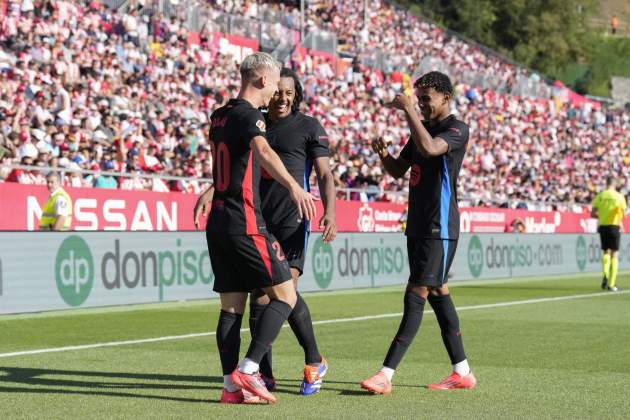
(438, 81)
(299, 91)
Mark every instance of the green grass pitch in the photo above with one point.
(566, 358)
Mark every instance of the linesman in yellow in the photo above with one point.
(57, 212)
(609, 207)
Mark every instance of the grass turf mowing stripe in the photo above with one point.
(321, 322)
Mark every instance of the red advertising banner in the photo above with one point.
(103, 209)
(237, 46)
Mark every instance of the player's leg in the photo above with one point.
(606, 255)
(264, 260)
(233, 298)
(444, 309)
(614, 269)
(294, 241)
(422, 266)
(258, 301)
(229, 342)
(615, 239)
(315, 366)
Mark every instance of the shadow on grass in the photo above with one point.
(98, 384)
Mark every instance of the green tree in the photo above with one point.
(545, 35)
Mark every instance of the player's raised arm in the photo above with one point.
(427, 145)
(270, 161)
(396, 167)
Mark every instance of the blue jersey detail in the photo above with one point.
(445, 199)
(307, 187)
(444, 273)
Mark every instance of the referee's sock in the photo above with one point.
(409, 325)
(614, 268)
(267, 329)
(229, 340)
(302, 326)
(451, 336)
(606, 263)
(255, 311)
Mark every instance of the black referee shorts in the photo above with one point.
(610, 236)
(242, 263)
(430, 260)
(294, 242)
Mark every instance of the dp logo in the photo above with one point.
(580, 253)
(475, 256)
(323, 262)
(74, 270)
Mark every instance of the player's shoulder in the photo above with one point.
(457, 126)
(311, 124)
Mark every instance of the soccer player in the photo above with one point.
(434, 153)
(301, 143)
(244, 255)
(609, 207)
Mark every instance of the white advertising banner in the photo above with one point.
(42, 271)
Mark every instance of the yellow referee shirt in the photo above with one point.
(610, 206)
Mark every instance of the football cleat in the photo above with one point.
(604, 283)
(252, 384)
(612, 289)
(239, 397)
(312, 381)
(378, 384)
(456, 381)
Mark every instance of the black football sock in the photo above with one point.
(229, 340)
(255, 311)
(302, 326)
(449, 326)
(268, 328)
(409, 325)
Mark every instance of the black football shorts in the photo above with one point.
(430, 260)
(610, 236)
(242, 263)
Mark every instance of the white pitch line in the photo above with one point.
(322, 322)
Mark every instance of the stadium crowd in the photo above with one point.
(83, 87)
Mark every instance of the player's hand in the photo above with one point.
(305, 203)
(329, 226)
(402, 102)
(380, 147)
(201, 207)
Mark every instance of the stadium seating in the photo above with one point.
(82, 87)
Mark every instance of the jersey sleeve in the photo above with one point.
(317, 145)
(456, 137)
(253, 125)
(407, 151)
(596, 201)
(61, 206)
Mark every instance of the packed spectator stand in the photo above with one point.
(87, 87)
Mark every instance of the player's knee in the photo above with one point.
(439, 291)
(258, 297)
(422, 291)
(284, 292)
